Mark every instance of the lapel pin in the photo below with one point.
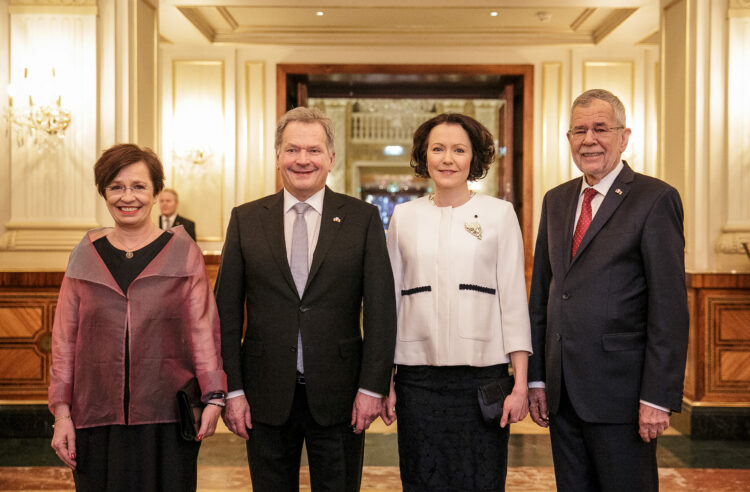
(618, 191)
(336, 219)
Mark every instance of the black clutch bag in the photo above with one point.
(190, 408)
(491, 398)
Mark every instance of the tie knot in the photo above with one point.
(301, 207)
(589, 194)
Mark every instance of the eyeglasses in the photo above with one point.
(579, 133)
(119, 190)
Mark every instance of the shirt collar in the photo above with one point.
(605, 183)
(315, 201)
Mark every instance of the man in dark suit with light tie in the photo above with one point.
(608, 308)
(303, 263)
(168, 202)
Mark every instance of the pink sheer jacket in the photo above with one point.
(170, 316)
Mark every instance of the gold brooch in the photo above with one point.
(618, 191)
(336, 219)
(474, 228)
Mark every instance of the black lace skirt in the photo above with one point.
(443, 443)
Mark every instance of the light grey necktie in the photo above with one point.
(298, 264)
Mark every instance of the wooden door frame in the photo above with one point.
(524, 71)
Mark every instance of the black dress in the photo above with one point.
(150, 457)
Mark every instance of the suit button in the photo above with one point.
(292, 349)
(566, 296)
(557, 337)
(304, 309)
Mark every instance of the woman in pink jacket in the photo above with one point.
(135, 321)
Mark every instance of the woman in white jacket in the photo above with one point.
(458, 265)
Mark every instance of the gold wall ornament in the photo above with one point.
(194, 155)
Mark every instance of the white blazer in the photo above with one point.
(460, 287)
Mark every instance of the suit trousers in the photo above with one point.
(334, 453)
(592, 457)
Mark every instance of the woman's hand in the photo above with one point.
(64, 437)
(209, 417)
(388, 412)
(516, 406)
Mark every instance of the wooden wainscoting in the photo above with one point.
(27, 309)
(717, 381)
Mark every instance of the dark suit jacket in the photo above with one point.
(350, 265)
(613, 322)
(188, 224)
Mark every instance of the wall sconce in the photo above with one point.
(44, 122)
(197, 156)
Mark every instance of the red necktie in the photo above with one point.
(583, 221)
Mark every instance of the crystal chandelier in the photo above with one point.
(42, 123)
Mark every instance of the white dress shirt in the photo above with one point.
(168, 221)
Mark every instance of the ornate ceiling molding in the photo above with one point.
(218, 25)
(739, 8)
(87, 7)
(54, 3)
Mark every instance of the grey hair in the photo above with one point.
(588, 97)
(305, 115)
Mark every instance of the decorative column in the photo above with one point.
(52, 199)
(702, 118)
(486, 111)
(336, 110)
(704, 136)
(730, 252)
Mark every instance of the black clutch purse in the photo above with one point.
(190, 408)
(491, 397)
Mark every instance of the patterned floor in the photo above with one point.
(685, 465)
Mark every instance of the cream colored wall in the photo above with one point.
(4, 141)
(629, 71)
(705, 131)
(50, 205)
(704, 120)
(48, 199)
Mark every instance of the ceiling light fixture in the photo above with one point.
(319, 13)
(493, 13)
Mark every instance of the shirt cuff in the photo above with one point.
(235, 393)
(537, 384)
(655, 406)
(370, 393)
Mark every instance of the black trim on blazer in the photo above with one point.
(478, 288)
(416, 290)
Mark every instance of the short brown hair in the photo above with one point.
(115, 158)
(305, 115)
(482, 144)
